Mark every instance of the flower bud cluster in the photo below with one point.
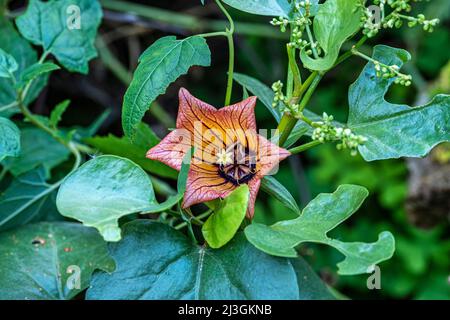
(325, 131)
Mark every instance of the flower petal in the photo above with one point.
(172, 148)
(204, 184)
(269, 155)
(199, 118)
(253, 187)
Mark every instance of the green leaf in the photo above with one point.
(65, 28)
(102, 190)
(144, 140)
(278, 8)
(36, 70)
(394, 130)
(38, 148)
(320, 216)
(57, 113)
(223, 224)
(9, 139)
(335, 22)
(8, 65)
(311, 287)
(39, 261)
(161, 64)
(272, 187)
(23, 53)
(154, 261)
(28, 199)
(266, 95)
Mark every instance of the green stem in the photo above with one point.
(349, 53)
(304, 147)
(288, 121)
(229, 34)
(199, 217)
(213, 34)
(310, 91)
(8, 106)
(294, 71)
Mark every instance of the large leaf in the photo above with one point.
(144, 140)
(102, 190)
(310, 286)
(266, 95)
(38, 148)
(161, 64)
(335, 22)
(12, 43)
(9, 139)
(272, 187)
(320, 216)
(28, 199)
(223, 224)
(39, 261)
(65, 28)
(278, 8)
(394, 130)
(155, 261)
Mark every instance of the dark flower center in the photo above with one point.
(241, 167)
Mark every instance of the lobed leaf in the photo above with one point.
(319, 217)
(394, 130)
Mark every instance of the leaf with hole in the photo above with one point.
(319, 217)
(50, 261)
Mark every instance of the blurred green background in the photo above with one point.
(420, 268)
